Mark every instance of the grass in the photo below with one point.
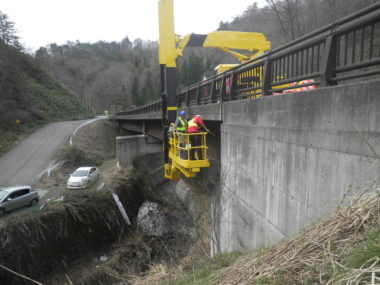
(43, 101)
(75, 156)
(342, 248)
(200, 272)
(369, 248)
(204, 270)
(23, 211)
(55, 102)
(361, 263)
(39, 244)
(11, 137)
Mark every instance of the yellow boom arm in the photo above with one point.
(229, 41)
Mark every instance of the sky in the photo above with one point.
(41, 22)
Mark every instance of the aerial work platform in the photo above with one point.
(186, 158)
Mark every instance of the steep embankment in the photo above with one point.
(343, 248)
(81, 235)
(74, 226)
(30, 97)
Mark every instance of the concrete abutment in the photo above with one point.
(127, 147)
(287, 160)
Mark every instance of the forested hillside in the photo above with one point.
(285, 20)
(106, 75)
(28, 95)
(125, 74)
(119, 75)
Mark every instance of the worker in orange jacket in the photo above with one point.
(194, 126)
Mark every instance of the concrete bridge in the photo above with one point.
(288, 159)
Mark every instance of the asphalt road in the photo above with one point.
(27, 160)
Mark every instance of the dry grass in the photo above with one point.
(157, 274)
(40, 244)
(313, 257)
(115, 178)
(99, 137)
(368, 273)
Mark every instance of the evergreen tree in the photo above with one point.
(135, 92)
(195, 70)
(8, 31)
(147, 90)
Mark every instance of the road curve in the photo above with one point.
(29, 158)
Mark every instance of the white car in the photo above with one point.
(83, 177)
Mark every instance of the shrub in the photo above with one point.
(74, 156)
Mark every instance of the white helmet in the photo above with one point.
(199, 116)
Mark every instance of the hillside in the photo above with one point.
(122, 75)
(29, 97)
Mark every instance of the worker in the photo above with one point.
(180, 124)
(195, 125)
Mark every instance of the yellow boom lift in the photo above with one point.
(177, 148)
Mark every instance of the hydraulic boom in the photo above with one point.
(242, 45)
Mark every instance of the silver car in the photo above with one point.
(16, 197)
(83, 177)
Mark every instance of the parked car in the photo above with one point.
(16, 197)
(83, 177)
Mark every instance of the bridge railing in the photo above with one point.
(341, 52)
(149, 108)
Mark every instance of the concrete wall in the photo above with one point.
(127, 147)
(209, 112)
(287, 160)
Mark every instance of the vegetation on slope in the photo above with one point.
(285, 20)
(117, 75)
(58, 235)
(343, 248)
(29, 97)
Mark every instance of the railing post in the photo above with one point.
(187, 97)
(266, 80)
(198, 95)
(232, 85)
(222, 88)
(212, 93)
(328, 61)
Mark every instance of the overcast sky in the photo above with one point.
(40, 22)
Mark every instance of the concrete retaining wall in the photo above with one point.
(127, 147)
(287, 160)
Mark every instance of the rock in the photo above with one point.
(151, 219)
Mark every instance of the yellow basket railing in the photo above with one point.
(187, 147)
